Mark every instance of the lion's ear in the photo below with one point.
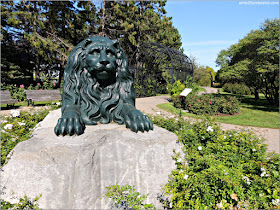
(116, 44)
(87, 42)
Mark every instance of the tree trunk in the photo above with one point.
(256, 94)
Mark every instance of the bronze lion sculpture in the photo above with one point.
(98, 87)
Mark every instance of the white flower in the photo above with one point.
(225, 137)
(247, 180)
(179, 160)
(276, 202)
(57, 103)
(186, 177)
(202, 137)
(219, 205)
(209, 129)
(199, 148)
(4, 121)
(254, 150)
(15, 113)
(13, 199)
(262, 169)
(230, 135)
(8, 126)
(53, 102)
(226, 173)
(158, 112)
(21, 123)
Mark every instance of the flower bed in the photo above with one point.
(220, 169)
(18, 127)
(210, 104)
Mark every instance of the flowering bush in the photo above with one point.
(48, 85)
(17, 91)
(18, 127)
(220, 169)
(208, 104)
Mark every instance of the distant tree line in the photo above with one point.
(37, 36)
(254, 61)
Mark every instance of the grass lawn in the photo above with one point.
(39, 103)
(253, 113)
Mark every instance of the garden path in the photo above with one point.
(149, 106)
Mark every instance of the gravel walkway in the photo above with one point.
(149, 106)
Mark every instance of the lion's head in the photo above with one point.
(98, 80)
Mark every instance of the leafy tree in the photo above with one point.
(204, 75)
(45, 32)
(254, 60)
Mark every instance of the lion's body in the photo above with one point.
(97, 103)
(98, 87)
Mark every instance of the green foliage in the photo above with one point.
(177, 88)
(22, 128)
(236, 88)
(202, 75)
(254, 60)
(209, 104)
(126, 197)
(23, 203)
(17, 92)
(220, 169)
(37, 36)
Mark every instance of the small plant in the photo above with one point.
(177, 88)
(126, 197)
(22, 203)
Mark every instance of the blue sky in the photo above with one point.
(207, 27)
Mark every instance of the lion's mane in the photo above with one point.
(96, 103)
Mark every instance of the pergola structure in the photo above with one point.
(155, 65)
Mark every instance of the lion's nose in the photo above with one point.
(103, 58)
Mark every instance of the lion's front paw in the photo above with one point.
(69, 125)
(137, 121)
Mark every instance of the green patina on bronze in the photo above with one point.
(98, 87)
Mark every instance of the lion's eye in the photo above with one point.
(110, 53)
(94, 51)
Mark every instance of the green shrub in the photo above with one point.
(220, 169)
(236, 88)
(23, 203)
(126, 197)
(17, 91)
(18, 128)
(208, 104)
(177, 88)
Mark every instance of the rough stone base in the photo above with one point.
(72, 172)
